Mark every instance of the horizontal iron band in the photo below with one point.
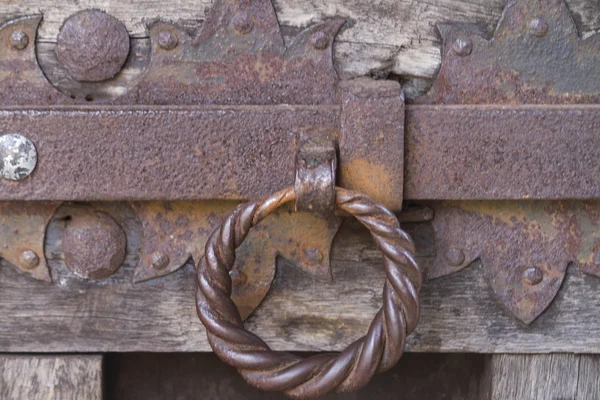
(245, 152)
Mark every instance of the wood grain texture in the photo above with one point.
(533, 377)
(542, 377)
(50, 377)
(588, 384)
(384, 37)
(459, 313)
(203, 376)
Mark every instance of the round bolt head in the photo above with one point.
(533, 276)
(314, 256)
(538, 27)
(29, 260)
(320, 40)
(456, 257)
(168, 40)
(93, 46)
(463, 47)
(19, 40)
(18, 157)
(160, 261)
(242, 23)
(94, 245)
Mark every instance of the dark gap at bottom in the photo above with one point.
(183, 376)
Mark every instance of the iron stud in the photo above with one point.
(19, 40)
(463, 47)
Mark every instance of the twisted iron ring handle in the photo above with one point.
(315, 376)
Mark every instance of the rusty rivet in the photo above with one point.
(463, 47)
(29, 260)
(456, 257)
(160, 260)
(168, 40)
(94, 245)
(320, 40)
(538, 27)
(314, 256)
(533, 276)
(19, 40)
(93, 46)
(242, 23)
(237, 277)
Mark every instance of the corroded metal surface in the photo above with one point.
(525, 247)
(316, 168)
(161, 153)
(221, 113)
(505, 126)
(238, 57)
(372, 139)
(93, 46)
(94, 244)
(22, 229)
(493, 132)
(21, 80)
(18, 157)
(535, 57)
(350, 370)
(229, 63)
(303, 239)
(458, 152)
(479, 152)
(175, 232)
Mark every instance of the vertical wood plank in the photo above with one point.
(588, 385)
(532, 377)
(50, 377)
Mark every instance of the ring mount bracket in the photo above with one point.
(315, 179)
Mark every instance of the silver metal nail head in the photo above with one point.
(18, 157)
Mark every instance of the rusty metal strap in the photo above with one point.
(502, 152)
(163, 153)
(208, 152)
(246, 152)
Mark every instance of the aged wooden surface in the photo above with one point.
(589, 377)
(50, 377)
(542, 377)
(203, 376)
(385, 37)
(459, 313)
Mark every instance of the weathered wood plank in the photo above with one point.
(50, 377)
(542, 377)
(459, 313)
(203, 376)
(588, 384)
(533, 377)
